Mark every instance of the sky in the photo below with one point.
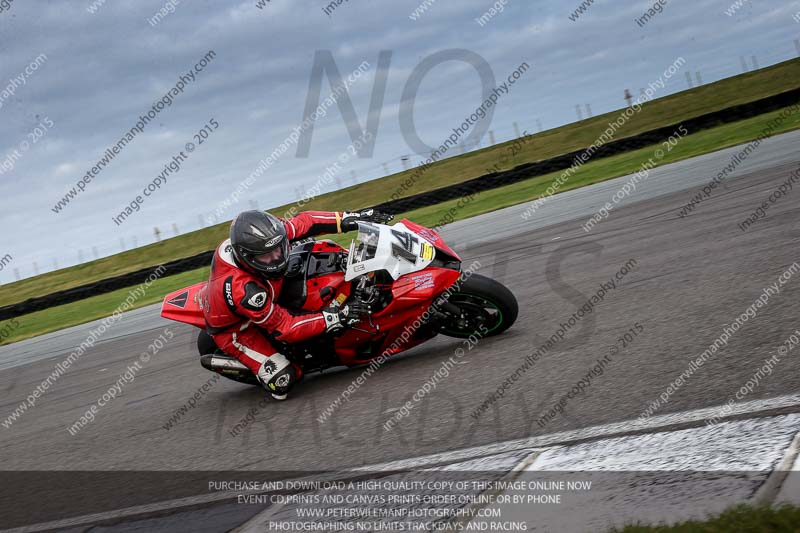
(103, 64)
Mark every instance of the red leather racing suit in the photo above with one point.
(241, 304)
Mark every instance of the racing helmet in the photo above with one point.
(260, 244)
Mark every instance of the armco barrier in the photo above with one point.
(102, 286)
(483, 183)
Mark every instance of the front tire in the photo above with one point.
(480, 306)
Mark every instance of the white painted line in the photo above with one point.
(725, 464)
(747, 445)
(607, 430)
(534, 444)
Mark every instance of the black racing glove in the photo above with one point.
(338, 317)
(350, 219)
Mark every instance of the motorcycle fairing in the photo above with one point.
(414, 284)
(395, 249)
(432, 236)
(186, 305)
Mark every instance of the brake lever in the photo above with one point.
(371, 323)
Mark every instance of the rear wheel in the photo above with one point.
(480, 306)
(206, 345)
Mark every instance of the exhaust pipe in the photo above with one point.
(228, 367)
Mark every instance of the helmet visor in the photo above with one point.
(275, 256)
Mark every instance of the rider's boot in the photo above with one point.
(278, 375)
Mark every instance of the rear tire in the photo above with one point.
(206, 345)
(484, 304)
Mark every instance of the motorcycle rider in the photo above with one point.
(244, 284)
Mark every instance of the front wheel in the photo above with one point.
(480, 305)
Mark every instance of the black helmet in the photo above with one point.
(260, 244)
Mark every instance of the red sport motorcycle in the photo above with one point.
(410, 280)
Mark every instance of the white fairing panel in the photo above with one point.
(396, 249)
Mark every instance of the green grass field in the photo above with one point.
(593, 172)
(660, 112)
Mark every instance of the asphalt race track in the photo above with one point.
(693, 276)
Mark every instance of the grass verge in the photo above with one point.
(739, 519)
(657, 113)
(700, 143)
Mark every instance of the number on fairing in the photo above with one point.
(406, 251)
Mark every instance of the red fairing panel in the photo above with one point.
(422, 286)
(186, 305)
(412, 296)
(432, 236)
(323, 290)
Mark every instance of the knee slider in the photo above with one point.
(277, 375)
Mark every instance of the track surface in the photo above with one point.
(694, 276)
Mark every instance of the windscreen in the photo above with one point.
(365, 245)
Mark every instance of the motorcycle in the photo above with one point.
(409, 279)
